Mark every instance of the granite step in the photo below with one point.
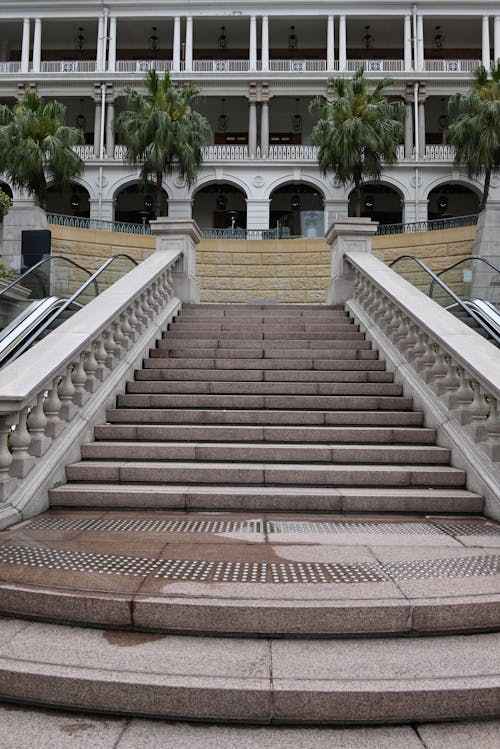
(365, 360)
(361, 350)
(311, 402)
(263, 375)
(265, 453)
(264, 388)
(266, 332)
(294, 341)
(256, 434)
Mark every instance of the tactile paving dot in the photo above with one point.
(469, 529)
(486, 564)
(77, 561)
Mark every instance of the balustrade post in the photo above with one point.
(346, 235)
(183, 235)
(20, 440)
(37, 422)
(6, 481)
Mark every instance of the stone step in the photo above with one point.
(312, 402)
(276, 452)
(360, 350)
(264, 417)
(265, 474)
(265, 332)
(263, 316)
(263, 375)
(264, 388)
(245, 306)
(276, 340)
(207, 433)
(273, 499)
(253, 681)
(366, 360)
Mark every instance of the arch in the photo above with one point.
(224, 179)
(135, 203)
(316, 183)
(220, 205)
(381, 201)
(73, 200)
(297, 209)
(453, 198)
(7, 189)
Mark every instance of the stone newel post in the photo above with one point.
(184, 235)
(346, 235)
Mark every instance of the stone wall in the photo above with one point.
(294, 271)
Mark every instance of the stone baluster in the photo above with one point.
(66, 392)
(437, 373)
(79, 378)
(90, 366)
(101, 357)
(418, 350)
(141, 316)
(146, 305)
(491, 431)
(451, 381)
(37, 423)
(462, 397)
(119, 339)
(52, 407)
(134, 322)
(409, 342)
(478, 409)
(426, 361)
(6, 481)
(111, 348)
(126, 331)
(20, 441)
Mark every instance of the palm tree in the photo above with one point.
(476, 131)
(357, 131)
(37, 146)
(162, 131)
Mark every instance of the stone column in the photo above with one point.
(184, 235)
(176, 62)
(264, 129)
(97, 125)
(486, 43)
(496, 51)
(253, 43)
(112, 45)
(407, 44)
(421, 122)
(37, 45)
(25, 50)
(99, 62)
(408, 129)
(346, 235)
(342, 43)
(265, 43)
(110, 133)
(188, 57)
(102, 210)
(258, 214)
(419, 63)
(252, 128)
(330, 44)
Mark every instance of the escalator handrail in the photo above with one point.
(459, 262)
(39, 264)
(451, 293)
(93, 279)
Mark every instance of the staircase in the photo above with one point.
(265, 531)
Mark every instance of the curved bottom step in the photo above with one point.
(252, 681)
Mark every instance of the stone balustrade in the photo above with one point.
(48, 396)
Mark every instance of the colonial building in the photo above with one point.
(258, 67)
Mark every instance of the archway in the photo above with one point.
(134, 204)
(220, 205)
(297, 209)
(452, 199)
(380, 202)
(70, 201)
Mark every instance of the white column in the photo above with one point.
(265, 43)
(408, 130)
(112, 45)
(25, 50)
(342, 43)
(253, 43)
(264, 130)
(176, 62)
(188, 56)
(496, 52)
(486, 42)
(407, 42)
(110, 133)
(421, 128)
(330, 44)
(37, 45)
(97, 129)
(252, 129)
(420, 43)
(100, 38)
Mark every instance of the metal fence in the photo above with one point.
(80, 222)
(453, 222)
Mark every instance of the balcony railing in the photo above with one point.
(376, 66)
(294, 153)
(451, 66)
(10, 67)
(221, 66)
(142, 66)
(81, 222)
(68, 66)
(440, 153)
(86, 153)
(297, 66)
(225, 153)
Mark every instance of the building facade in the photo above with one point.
(258, 68)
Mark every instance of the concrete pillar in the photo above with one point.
(99, 62)
(258, 214)
(346, 235)
(37, 45)
(102, 210)
(22, 215)
(421, 127)
(407, 44)
(176, 62)
(112, 45)
(180, 208)
(264, 130)
(25, 49)
(330, 44)
(253, 43)
(188, 57)
(342, 43)
(97, 128)
(184, 235)
(265, 43)
(419, 63)
(252, 129)
(496, 38)
(408, 130)
(110, 134)
(486, 43)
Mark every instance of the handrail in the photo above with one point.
(48, 322)
(50, 259)
(452, 294)
(460, 262)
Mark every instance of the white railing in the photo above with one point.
(376, 66)
(68, 66)
(451, 66)
(142, 66)
(85, 152)
(221, 66)
(120, 153)
(224, 153)
(10, 67)
(52, 393)
(400, 153)
(294, 153)
(440, 153)
(455, 371)
(297, 66)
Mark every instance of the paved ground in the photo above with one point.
(22, 728)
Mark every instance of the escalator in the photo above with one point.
(48, 294)
(469, 289)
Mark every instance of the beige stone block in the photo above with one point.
(317, 283)
(315, 296)
(278, 284)
(250, 271)
(246, 283)
(291, 271)
(322, 270)
(247, 258)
